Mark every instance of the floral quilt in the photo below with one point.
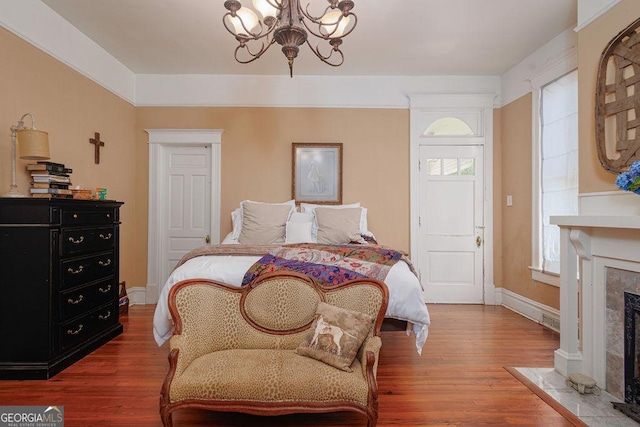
(327, 264)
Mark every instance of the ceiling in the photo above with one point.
(393, 37)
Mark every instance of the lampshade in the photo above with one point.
(33, 144)
(246, 20)
(265, 8)
(333, 24)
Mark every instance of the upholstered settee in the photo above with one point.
(242, 349)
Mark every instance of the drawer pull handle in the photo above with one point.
(72, 271)
(107, 237)
(105, 263)
(75, 301)
(103, 290)
(104, 317)
(76, 332)
(76, 241)
(108, 215)
(75, 216)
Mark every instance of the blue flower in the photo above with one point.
(624, 180)
(634, 170)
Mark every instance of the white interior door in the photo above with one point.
(188, 217)
(451, 228)
(184, 199)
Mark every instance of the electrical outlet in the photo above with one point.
(509, 200)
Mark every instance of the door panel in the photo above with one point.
(189, 202)
(451, 212)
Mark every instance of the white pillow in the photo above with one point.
(236, 216)
(309, 207)
(299, 232)
(301, 217)
(236, 219)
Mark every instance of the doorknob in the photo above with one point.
(478, 241)
(207, 239)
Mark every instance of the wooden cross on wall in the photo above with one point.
(96, 141)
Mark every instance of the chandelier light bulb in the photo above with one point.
(244, 16)
(266, 10)
(332, 25)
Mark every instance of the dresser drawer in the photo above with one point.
(78, 271)
(82, 329)
(77, 301)
(93, 216)
(83, 240)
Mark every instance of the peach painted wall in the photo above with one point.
(516, 169)
(591, 42)
(256, 157)
(71, 108)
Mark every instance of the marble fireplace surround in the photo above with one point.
(604, 241)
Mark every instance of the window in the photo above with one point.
(460, 166)
(558, 165)
(448, 126)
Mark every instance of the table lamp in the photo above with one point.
(33, 145)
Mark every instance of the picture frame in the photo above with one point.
(317, 173)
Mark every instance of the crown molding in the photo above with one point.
(518, 81)
(301, 91)
(40, 26)
(591, 10)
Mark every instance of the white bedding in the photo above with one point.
(406, 301)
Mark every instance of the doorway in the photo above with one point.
(451, 227)
(451, 137)
(184, 198)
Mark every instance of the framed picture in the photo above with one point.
(317, 173)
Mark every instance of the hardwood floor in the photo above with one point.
(459, 379)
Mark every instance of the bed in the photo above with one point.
(330, 243)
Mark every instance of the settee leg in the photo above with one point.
(167, 419)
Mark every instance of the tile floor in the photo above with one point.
(593, 410)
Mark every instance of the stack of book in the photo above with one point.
(50, 180)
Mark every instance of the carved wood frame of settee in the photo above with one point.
(195, 305)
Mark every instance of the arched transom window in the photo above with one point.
(448, 126)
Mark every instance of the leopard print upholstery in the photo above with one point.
(282, 304)
(235, 348)
(268, 376)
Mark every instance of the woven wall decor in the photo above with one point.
(618, 101)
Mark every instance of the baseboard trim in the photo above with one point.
(540, 313)
(137, 295)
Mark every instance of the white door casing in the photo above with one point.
(451, 228)
(175, 157)
(187, 186)
(476, 110)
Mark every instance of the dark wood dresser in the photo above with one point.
(58, 283)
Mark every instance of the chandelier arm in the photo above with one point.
(305, 12)
(253, 56)
(277, 4)
(326, 59)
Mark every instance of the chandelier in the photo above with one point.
(288, 24)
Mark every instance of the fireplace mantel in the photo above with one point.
(598, 242)
(598, 221)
